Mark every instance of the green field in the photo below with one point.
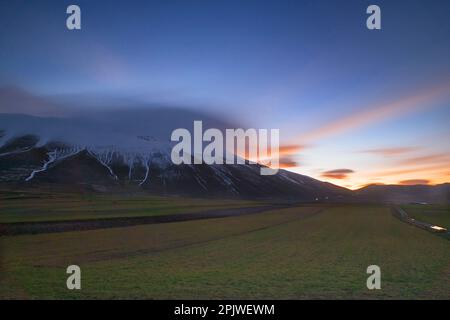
(24, 207)
(431, 213)
(293, 253)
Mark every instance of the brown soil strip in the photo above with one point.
(20, 228)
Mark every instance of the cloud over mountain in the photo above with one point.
(337, 173)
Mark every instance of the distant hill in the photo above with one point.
(405, 194)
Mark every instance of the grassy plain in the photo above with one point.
(293, 253)
(28, 207)
(431, 213)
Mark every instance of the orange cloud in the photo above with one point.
(337, 173)
(285, 156)
(412, 182)
(378, 113)
(290, 149)
(286, 153)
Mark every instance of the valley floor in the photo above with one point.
(292, 253)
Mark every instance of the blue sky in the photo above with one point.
(295, 65)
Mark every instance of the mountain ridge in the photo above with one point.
(141, 163)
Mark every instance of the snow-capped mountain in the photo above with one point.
(98, 155)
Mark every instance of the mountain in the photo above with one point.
(89, 154)
(129, 151)
(405, 194)
(107, 169)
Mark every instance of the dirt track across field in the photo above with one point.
(20, 228)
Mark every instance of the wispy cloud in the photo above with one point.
(17, 100)
(433, 158)
(106, 66)
(291, 148)
(378, 113)
(434, 170)
(412, 182)
(287, 155)
(337, 173)
(391, 151)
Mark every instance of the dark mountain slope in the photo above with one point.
(80, 168)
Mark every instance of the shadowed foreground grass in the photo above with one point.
(292, 253)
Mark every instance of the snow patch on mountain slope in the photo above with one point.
(53, 156)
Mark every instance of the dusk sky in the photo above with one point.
(354, 106)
